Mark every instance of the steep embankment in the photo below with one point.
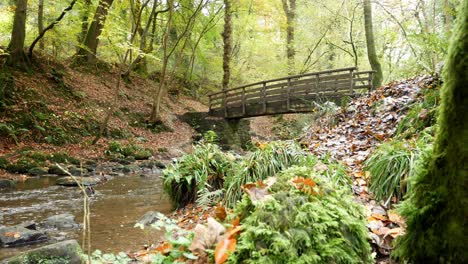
(56, 108)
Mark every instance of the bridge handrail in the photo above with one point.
(285, 79)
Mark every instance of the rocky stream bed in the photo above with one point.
(46, 208)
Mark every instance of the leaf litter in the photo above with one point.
(364, 124)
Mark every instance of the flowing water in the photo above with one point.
(115, 208)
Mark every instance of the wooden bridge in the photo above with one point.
(292, 94)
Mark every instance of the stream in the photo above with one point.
(115, 208)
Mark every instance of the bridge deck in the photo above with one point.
(292, 94)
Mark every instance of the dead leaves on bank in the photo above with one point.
(361, 126)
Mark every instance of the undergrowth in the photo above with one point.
(203, 170)
(421, 114)
(266, 160)
(392, 164)
(294, 226)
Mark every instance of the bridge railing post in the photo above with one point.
(370, 77)
(264, 96)
(209, 103)
(351, 79)
(243, 101)
(225, 103)
(288, 104)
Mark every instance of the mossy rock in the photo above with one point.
(21, 166)
(65, 252)
(62, 157)
(130, 168)
(7, 184)
(38, 156)
(143, 154)
(38, 171)
(54, 169)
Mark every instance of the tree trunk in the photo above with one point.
(436, 208)
(40, 21)
(16, 47)
(156, 109)
(290, 12)
(88, 50)
(84, 21)
(371, 53)
(227, 41)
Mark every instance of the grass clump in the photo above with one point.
(293, 226)
(392, 164)
(205, 168)
(266, 161)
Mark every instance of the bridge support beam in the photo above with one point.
(233, 133)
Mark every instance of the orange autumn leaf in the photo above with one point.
(235, 222)
(233, 231)
(164, 248)
(13, 234)
(305, 185)
(223, 249)
(220, 212)
(378, 217)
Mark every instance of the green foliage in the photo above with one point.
(63, 157)
(210, 137)
(98, 257)
(205, 168)
(3, 163)
(9, 130)
(297, 227)
(436, 207)
(266, 161)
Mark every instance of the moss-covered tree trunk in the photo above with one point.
(436, 209)
(370, 41)
(16, 47)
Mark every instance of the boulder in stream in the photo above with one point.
(7, 184)
(87, 181)
(150, 218)
(60, 222)
(14, 236)
(68, 251)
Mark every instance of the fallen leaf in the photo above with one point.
(13, 234)
(394, 232)
(223, 249)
